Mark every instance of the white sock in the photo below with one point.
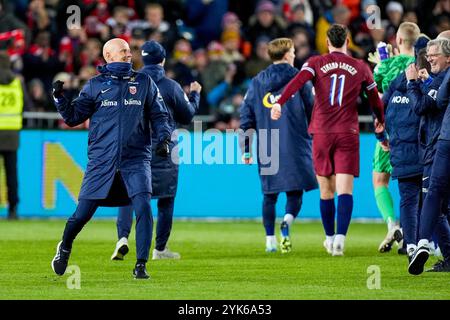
(329, 239)
(289, 218)
(391, 224)
(339, 239)
(270, 240)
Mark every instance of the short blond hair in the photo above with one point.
(409, 32)
(279, 47)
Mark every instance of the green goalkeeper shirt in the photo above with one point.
(386, 71)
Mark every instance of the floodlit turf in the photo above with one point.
(220, 260)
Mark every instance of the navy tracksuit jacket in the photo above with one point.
(295, 168)
(435, 213)
(443, 101)
(123, 106)
(164, 171)
(122, 116)
(182, 110)
(423, 99)
(402, 125)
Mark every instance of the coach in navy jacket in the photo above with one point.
(434, 218)
(119, 131)
(293, 171)
(443, 103)
(424, 104)
(124, 107)
(164, 170)
(435, 208)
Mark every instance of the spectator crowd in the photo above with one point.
(221, 44)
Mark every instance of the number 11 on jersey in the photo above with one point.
(340, 90)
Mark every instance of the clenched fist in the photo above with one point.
(275, 112)
(195, 86)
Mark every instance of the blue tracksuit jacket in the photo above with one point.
(402, 125)
(182, 109)
(443, 103)
(123, 108)
(295, 145)
(423, 99)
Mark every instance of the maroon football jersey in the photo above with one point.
(338, 81)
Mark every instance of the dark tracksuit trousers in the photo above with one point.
(144, 223)
(434, 217)
(10, 162)
(410, 190)
(293, 205)
(163, 225)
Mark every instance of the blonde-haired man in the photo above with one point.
(292, 171)
(385, 72)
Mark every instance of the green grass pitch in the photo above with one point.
(220, 260)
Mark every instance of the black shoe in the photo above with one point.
(440, 266)
(418, 260)
(59, 262)
(402, 251)
(140, 272)
(393, 235)
(398, 235)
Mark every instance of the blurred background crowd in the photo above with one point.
(220, 43)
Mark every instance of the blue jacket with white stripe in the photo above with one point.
(123, 106)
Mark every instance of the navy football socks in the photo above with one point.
(327, 211)
(344, 213)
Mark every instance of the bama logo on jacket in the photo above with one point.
(131, 102)
(127, 102)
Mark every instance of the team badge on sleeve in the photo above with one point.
(133, 89)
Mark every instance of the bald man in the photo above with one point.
(444, 35)
(123, 106)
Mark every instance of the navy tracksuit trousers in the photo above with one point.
(293, 205)
(163, 225)
(410, 192)
(434, 217)
(144, 223)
